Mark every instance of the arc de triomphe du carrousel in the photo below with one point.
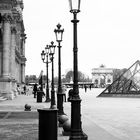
(12, 47)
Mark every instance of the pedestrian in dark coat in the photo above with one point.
(90, 87)
(24, 89)
(35, 90)
(85, 88)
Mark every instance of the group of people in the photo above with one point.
(24, 89)
(28, 90)
(90, 86)
(36, 88)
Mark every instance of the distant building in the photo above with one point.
(12, 47)
(102, 76)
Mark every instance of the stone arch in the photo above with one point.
(103, 75)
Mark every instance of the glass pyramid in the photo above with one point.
(126, 83)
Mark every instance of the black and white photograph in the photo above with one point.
(69, 70)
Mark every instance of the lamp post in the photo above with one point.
(52, 51)
(59, 34)
(76, 124)
(43, 54)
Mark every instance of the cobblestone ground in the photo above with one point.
(22, 129)
(17, 124)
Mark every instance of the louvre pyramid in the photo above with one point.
(126, 83)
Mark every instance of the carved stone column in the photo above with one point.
(23, 37)
(23, 73)
(6, 44)
(13, 45)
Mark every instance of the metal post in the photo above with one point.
(76, 128)
(47, 86)
(53, 104)
(59, 94)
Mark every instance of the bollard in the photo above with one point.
(62, 118)
(27, 107)
(39, 96)
(66, 128)
(47, 124)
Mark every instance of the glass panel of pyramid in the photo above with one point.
(126, 83)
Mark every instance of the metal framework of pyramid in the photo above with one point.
(128, 84)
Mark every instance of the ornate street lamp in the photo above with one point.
(43, 54)
(74, 6)
(76, 124)
(59, 35)
(52, 51)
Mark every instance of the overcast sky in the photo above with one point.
(108, 33)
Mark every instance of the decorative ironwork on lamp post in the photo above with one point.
(59, 35)
(43, 54)
(52, 51)
(76, 124)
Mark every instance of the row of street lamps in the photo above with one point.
(43, 54)
(50, 50)
(76, 124)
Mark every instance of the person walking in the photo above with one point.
(85, 88)
(35, 90)
(18, 90)
(24, 89)
(90, 86)
(27, 90)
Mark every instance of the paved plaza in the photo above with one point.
(117, 116)
(102, 118)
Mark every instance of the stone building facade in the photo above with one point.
(12, 47)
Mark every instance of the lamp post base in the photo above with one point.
(53, 107)
(76, 124)
(47, 100)
(60, 97)
(78, 136)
